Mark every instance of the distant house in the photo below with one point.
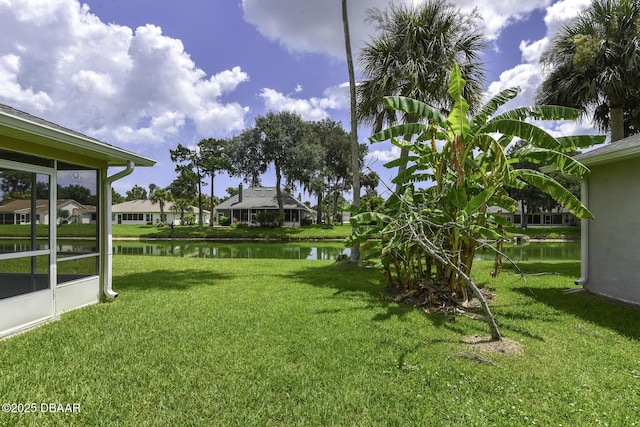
(611, 242)
(559, 217)
(41, 276)
(69, 211)
(146, 212)
(244, 206)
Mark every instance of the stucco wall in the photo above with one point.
(614, 236)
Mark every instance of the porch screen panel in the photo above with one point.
(24, 231)
(77, 225)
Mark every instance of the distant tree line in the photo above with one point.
(309, 156)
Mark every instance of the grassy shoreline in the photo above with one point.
(314, 232)
(273, 342)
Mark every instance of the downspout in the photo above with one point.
(584, 235)
(107, 249)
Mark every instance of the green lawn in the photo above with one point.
(193, 342)
(65, 230)
(314, 232)
(193, 231)
(545, 232)
(293, 233)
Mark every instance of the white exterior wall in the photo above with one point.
(155, 218)
(614, 235)
(23, 311)
(78, 293)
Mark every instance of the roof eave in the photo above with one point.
(610, 157)
(115, 156)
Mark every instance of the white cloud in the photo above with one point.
(316, 26)
(524, 76)
(529, 75)
(576, 127)
(13, 92)
(314, 108)
(562, 12)
(119, 85)
(384, 156)
(532, 51)
(497, 14)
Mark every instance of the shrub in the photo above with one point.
(224, 220)
(269, 218)
(305, 222)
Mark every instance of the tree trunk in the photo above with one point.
(436, 252)
(212, 202)
(319, 211)
(404, 152)
(617, 123)
(279, 193)
(355, 158)
(200, 217)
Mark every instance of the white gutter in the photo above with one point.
(107, 242)
(584, 235)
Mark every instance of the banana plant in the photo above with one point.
(458, 166)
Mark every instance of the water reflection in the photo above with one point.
(200, 249)
(314, 250)
(536, 252)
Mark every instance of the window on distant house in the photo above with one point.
(78, 243)
(24, 190)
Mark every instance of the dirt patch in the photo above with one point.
(432, 297)
(506, 346)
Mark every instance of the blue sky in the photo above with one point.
(146, 75)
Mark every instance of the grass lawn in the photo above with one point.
(545, 232)
(313, 232)
(272, 342)
(193, 231)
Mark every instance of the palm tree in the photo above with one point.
(160, 196)
(355, 158)
(412, 55)
(595, 65)
(181, 206)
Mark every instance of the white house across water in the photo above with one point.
(55, 252)
(244, 206)
(138, 212)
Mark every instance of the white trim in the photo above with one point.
(27, 326)
(27, 254)
(27, 167)
(71, 258)
(73, 142)
(613, 156)
(20, 311)
(53, 235)
(584, 236)
(106, 232)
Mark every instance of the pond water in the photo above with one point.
(316, 250)
(207, 249)
(536, 252)
(289, 250)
